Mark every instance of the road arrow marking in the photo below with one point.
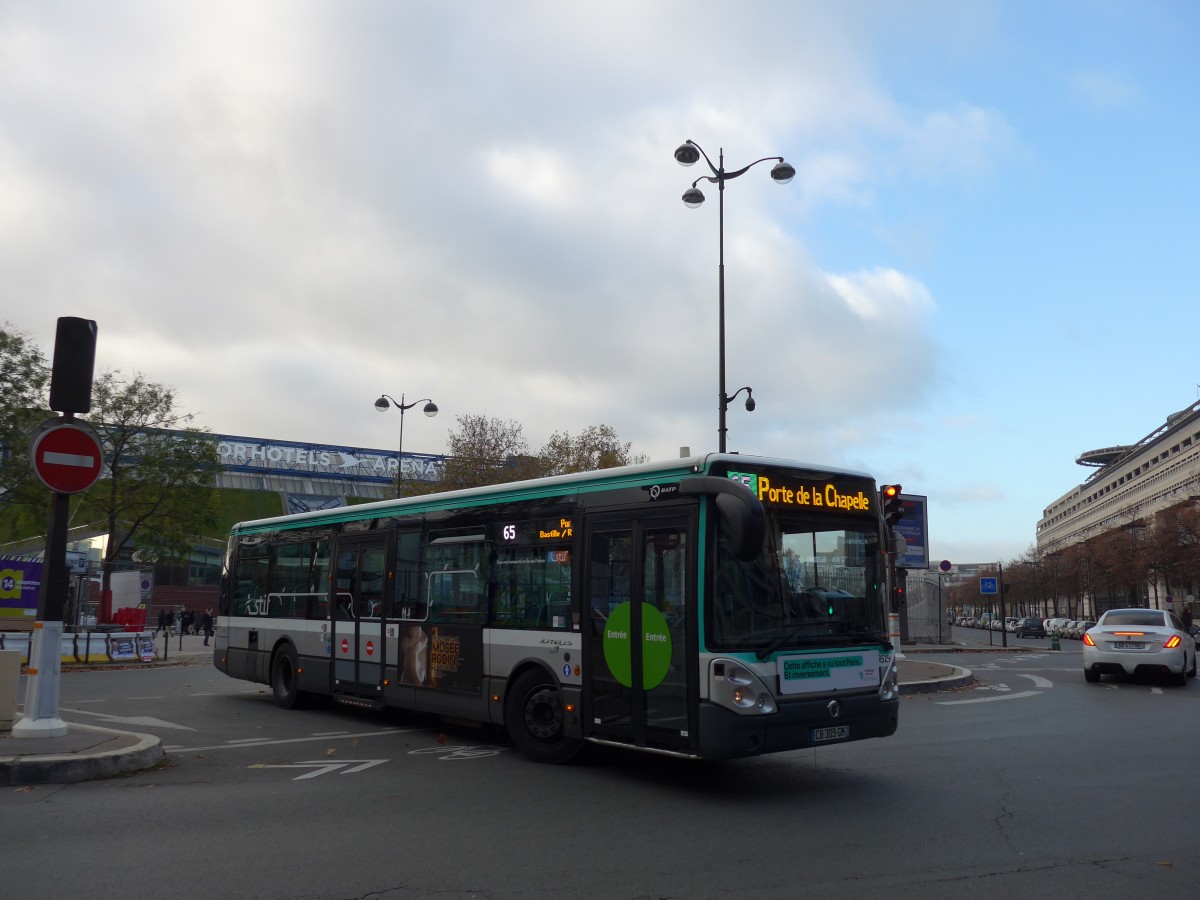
(1038, 680)
(324, 767)
(144, 721)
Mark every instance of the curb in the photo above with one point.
(958, 677)
(144, 752)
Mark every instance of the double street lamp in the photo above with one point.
(386, 402)
(688, 153)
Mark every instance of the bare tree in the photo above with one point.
(596, 447)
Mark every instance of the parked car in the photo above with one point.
(1139, 641)
(1031, 627)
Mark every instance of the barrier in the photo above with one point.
(10, 674)
(88, 647)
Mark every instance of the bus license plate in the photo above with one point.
(833, 733)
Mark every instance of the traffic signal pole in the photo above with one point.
(70, 393)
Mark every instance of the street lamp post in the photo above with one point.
(382, 404)
(688, 153)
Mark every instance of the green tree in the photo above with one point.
(24, 377)
(596, 447)
(157, 494)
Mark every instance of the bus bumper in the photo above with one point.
(725, 734)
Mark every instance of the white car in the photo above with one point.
(1139, 641)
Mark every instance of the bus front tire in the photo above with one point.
(285, 679)
(533, 716)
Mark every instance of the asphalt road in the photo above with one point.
(1028, 783)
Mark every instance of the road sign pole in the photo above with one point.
(52, 598)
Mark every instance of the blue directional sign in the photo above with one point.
(989, 586)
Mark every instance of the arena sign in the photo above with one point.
(245, 454)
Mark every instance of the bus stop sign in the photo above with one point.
(66, 456)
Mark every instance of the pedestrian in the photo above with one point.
(1187, 618)
(162, 622)
(206, 622)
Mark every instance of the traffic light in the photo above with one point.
(893, 507)
(899, 589)
(74, 359)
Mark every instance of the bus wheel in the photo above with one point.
(285, 677)
(533, 715)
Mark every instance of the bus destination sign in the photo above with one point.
(775, 491)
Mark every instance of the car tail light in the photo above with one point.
(1174, 641)
(1087, 639)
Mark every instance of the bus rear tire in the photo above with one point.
(533, 716)
(285, 679)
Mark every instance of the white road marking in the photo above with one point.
(144, 721)
(989, 699)
(245, 743)
(324, 766)
(1038, 680)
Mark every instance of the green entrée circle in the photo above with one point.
(656, 646)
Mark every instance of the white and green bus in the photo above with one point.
(716, 607)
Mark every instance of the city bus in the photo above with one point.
(712, 607)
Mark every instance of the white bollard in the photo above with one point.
(41, 695)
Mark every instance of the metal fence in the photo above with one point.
(925, 612)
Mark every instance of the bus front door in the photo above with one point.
(640, 596)
(356, 615)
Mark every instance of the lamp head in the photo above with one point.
(686, 154)
(783, 172)
(430, 409)
(750, 404)
(693, 197)
(382, 404)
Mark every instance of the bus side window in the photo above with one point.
(408, 600)
(251, 585)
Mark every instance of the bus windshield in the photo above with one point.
(819, 582)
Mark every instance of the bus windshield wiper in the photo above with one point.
(842, 638)
(785, 638)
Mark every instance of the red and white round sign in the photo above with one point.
(345, 646)
(66, 455)
(370, 648)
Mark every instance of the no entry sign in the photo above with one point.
(66, 456)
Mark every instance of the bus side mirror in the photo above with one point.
(740, 510)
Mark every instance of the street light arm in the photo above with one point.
(715, 170)
(744, 169)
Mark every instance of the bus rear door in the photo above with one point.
(356, 615)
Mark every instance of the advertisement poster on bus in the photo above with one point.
(20, 583)
(914, 528)
(442, 657)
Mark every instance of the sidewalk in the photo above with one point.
(88, 752)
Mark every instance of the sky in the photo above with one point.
(985, 265)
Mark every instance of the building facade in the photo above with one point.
(1132, 488)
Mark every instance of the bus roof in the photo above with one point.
(596, 479)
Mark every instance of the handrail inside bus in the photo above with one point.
(740, 510)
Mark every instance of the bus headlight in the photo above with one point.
(889, 687)
(734, 686)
